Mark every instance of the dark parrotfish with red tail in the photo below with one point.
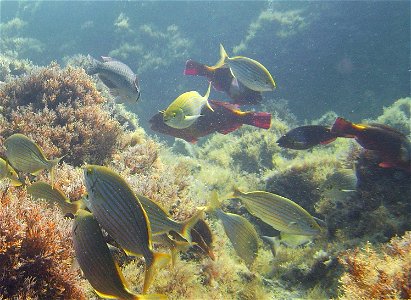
(305, 137)
(392, 147)
(222, 80)
(225, 119)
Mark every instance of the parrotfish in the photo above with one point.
(226, 118)
(222, 80)
(95, 260)
(248, 71)
(26, 156)
(118, 77)
(393, 147)
(305, 137)
(43, 190)
(120, 213)
(239, 230)
(279, 212)
(186, 109)
(6, 171)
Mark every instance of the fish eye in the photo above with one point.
(174, 115)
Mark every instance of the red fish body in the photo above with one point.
(225, 119)
(391, 145)
(222, 80)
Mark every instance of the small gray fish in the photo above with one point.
(121, 214)
(96, 261)
(161, 222)
(43, 190)
(118, 77)
(26, 156)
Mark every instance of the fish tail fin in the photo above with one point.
(344, 128)
(223, 57)
(189, 224)
(258, 119)
(208, 95)
(52, 164)
(158, 260)
(195, 68)
(237, 193)
(178, 246)
(214, 202)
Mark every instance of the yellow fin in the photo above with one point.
(159, 261)
(189, 224)
(208, 95)
(214, 202)
(223, 57)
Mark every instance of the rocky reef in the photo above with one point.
(62, 110)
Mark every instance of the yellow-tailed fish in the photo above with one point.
(6, 171)
(96, 261)
(186, 109)
(174, 245)
(248, 71)
(160, 221)
(279, 212)
(121, 214)
(240, 231)
(43, 190)
(26, 156)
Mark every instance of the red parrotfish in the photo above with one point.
(393, 147)
(222, 80)
(225, 119)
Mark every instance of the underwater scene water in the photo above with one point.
(205, 150)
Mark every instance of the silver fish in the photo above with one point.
(118, 77)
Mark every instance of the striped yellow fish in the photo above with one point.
(96, 261)
(160, 221)
(26, 156)
(186, 109)
(248, 71)
(279, 212)
(239, 230)
(43, 190)
(121, 214)
(6, 171)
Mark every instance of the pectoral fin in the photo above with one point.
(190, 118)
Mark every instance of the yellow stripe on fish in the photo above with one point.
(6, 171)
(43, 190)
(239, 230)
(96, 261)
(121, 214)
(26, 156)
(279, 212)
(248, 71)
(186, 109)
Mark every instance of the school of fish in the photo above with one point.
(134, 222)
